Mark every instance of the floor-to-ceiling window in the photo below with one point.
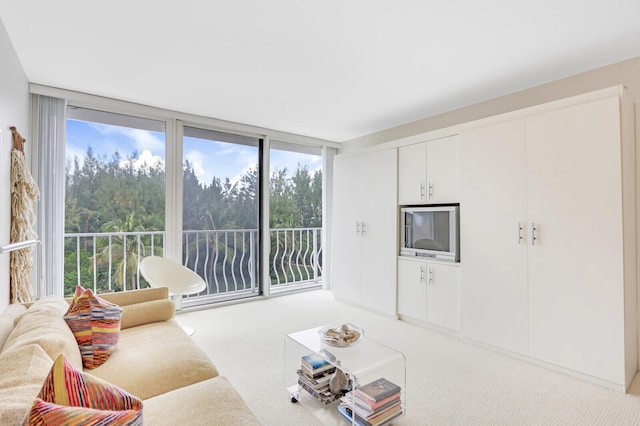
(220, 211)
(114, 198)
(139, 186)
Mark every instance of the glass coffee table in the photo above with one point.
(363, 363)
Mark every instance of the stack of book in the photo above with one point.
(314, 375)
(372, 404)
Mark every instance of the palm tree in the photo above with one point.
(123, 251)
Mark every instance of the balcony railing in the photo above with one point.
(225, 259)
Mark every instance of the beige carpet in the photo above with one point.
(449, 381)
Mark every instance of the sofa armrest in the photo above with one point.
(146, 312)
(142, 306)
(132, 297)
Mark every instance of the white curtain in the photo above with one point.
(49, 162)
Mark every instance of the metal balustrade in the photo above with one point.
(226, 259)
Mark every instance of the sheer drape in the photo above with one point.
(49, 161)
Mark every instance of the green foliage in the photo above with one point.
(112, 195)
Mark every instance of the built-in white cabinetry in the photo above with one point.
(428, 172)
(429, 291)
(493, 218)
(547, 208)
(365, 229)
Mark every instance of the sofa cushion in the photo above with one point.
(7, 320)
(210, 402)
(95, 324)
(70, 397)
(22, 372)
(42, 324)
(162, 356)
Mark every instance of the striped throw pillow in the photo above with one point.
(95, 323)
(70, 397)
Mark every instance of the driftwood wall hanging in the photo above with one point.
(24, 193)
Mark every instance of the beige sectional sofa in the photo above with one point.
(153, 360)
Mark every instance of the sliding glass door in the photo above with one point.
(295, 216)
(220, 212)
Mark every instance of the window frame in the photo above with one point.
(174, 128)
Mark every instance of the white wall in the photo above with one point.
(626, 72)
(14, 111)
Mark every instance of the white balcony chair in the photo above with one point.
(180, 280)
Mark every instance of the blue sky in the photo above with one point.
(208, 158)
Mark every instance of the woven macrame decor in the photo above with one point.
(24, 193)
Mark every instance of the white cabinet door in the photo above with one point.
(428, 172)
(379, 241)
(443, 295)
(442, 170)
(494, 303)
(576, 265)
(429, 291)
(412, 288)
(345, 252)
(365, 223)
(412, 174)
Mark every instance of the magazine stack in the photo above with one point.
(314, 375)
(372, 404)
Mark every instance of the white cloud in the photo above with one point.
(140, 139)
(146, 140)
(73, 152)
(144, 161)
(197, 159)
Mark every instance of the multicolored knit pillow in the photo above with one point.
(95, 323)
(70, 397)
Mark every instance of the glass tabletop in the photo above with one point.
(363, 355)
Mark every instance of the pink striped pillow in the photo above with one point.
(70, 397)
(95, 324)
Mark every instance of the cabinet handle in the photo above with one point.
(430, 276)
(357, 228)
(362, 227)
(430, 190)
(533, 233)
(520, 229)
(421, 190)
(422, 274)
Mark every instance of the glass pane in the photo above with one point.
(115, 198)
(295, 214)
(220, 210)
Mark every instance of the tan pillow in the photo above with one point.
(42, 324)
(7, 319)
(146, 313)
(22, 372)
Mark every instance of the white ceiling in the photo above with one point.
(330, 69)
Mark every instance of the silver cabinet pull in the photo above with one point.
(357, 228)
(533, 233)
(520, 229)
(430, 276)
(362, 228)
(422, 274)
(421, 190)
(430, 190)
